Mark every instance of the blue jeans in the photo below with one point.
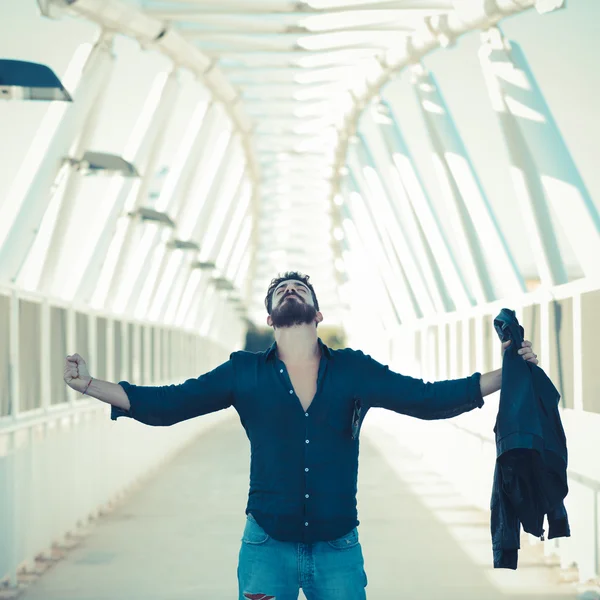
(272, 570)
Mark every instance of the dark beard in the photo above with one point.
(293, 312)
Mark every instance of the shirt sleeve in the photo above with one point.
(383, 388)
(170, 404)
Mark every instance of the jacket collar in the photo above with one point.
(272, 351)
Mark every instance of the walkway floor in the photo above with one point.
(177, 536)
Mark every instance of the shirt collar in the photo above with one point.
(272, 351)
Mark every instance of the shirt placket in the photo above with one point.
(307, 435)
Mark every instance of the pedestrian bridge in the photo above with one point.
(426, 162)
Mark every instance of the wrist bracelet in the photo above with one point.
(88, 385)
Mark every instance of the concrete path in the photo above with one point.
(177, 537)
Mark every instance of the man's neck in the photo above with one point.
(297, 344)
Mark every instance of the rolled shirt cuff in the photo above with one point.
(115, 411)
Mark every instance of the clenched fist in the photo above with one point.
(76, 374)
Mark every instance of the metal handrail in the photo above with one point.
(584, 480)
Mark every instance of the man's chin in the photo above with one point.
(293, 318)
(291, 322)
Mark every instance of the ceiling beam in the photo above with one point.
(273, 29)
(298, 9)
(307, 58)
(221, 45)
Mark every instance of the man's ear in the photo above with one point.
(269, 321)
(318, 317)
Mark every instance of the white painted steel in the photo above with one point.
(463, 449)
(60, 464)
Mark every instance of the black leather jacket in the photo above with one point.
(530, 477)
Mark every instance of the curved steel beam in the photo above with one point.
(438, 32)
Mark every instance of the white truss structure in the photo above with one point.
(289, 81)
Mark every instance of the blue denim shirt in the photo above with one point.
(304, 464)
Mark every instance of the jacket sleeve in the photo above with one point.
(170, 404)
(505, 526)
(383, 388)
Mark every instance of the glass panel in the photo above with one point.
(101, 358)
(459, 353)
(5, 356)
(165, 353)
(29, 355)
(142, 355)
(130, 354)
(561, 349)
(447, 352)
(152, 356)
(472, 345)
(418, 353)
(27, 127)
(173, 356)
(82, 343)
(489, 343)
(118, 349)
(590, 315)
(58, 353)
(432, 353)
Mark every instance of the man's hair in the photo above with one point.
(289, 275)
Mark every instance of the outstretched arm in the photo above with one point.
(156, 405)
(170, 404)
(381, 387)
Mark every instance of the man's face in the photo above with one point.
(292, 304)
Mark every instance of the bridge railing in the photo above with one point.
(564, 326)
(62, 460)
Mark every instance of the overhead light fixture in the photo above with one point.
(93, 163)
(204, 265)
(182, 245)
(340, 265)
(222, 283)
(22, 80)
(234, 298)
(153, 216)
(52, 8)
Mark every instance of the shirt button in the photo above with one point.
(306, 414)
(281, 370)
(307, 495)
(291, 391)
(307, 441)
(306, 524)
(307, 469)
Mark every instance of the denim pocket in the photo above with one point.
(254, 533)
(346, 541)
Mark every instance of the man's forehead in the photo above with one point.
(291, 281)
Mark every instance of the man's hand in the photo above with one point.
(76, 374)
(526, 351)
